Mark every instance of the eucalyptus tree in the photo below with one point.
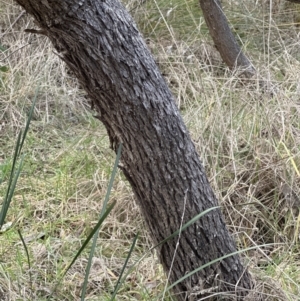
(100, 43)
(224, 39)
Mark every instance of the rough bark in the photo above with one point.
(224, 39)
(101, 45)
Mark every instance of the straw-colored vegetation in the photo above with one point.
(248, 139)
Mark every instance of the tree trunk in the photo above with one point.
(224, 39)
(101, 45)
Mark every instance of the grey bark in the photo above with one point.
(100, 43)
(224, 39)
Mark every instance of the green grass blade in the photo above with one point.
(13, 178)
(208, 264)
(10, 193)
(109, 188)
(119, 282)
(112, 178)
(186, 225)
(189, 223)
(15, 158)
(27, 255)
(29, 119)
(101, 220)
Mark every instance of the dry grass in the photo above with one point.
(248, 140)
